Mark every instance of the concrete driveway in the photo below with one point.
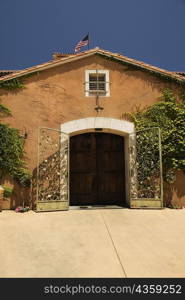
(93, 243)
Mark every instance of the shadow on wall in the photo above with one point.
(49, 179)
(174, 194)
(34, 189)
(20, 195)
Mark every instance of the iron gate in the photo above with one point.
(146, 184)
(52, 170)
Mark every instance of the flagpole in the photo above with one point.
(89, 40)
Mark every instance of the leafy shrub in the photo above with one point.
(169, 115)
(11, 154)
(7, 191)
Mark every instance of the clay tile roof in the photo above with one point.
(6, 72)
(115, 56)
(58, 55)
(180, 73)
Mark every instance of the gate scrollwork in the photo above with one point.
(52, 170)
(145, 165)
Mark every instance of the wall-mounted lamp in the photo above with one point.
(24, 134)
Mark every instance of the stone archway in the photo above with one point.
(107, 125)
(142, 157)
(120, 127)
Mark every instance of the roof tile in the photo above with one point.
(73, 57)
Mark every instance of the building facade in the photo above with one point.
(78, 104)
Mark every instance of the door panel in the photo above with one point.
(83, 161)
(97, 169)
(83, 189)
(83, 185)
(110, 168)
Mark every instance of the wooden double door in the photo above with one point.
(97, 169)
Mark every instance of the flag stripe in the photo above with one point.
(82, 43)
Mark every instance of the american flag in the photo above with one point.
(82, 43)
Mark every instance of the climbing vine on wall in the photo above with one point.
(4, 111)
(169, 115)
(12, 84)
(11, 154)
(16, 83)
(11, 143)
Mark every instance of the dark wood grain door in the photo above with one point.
(97, 172)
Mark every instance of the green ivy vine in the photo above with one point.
(12, 84)
(4, 111)
(11, 143)
(16, 83)
(169, 115)
(12, 152)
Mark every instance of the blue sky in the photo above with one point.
(152, 31)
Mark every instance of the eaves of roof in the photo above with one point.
(180, 73)
(114, 56)
(6, 72)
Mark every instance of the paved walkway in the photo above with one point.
(93, 243)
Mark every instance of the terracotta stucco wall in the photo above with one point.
(57, 95)
(174, 194)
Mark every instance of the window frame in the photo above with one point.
(90, 93)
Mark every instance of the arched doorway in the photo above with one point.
(110, 141)
(97, 169)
